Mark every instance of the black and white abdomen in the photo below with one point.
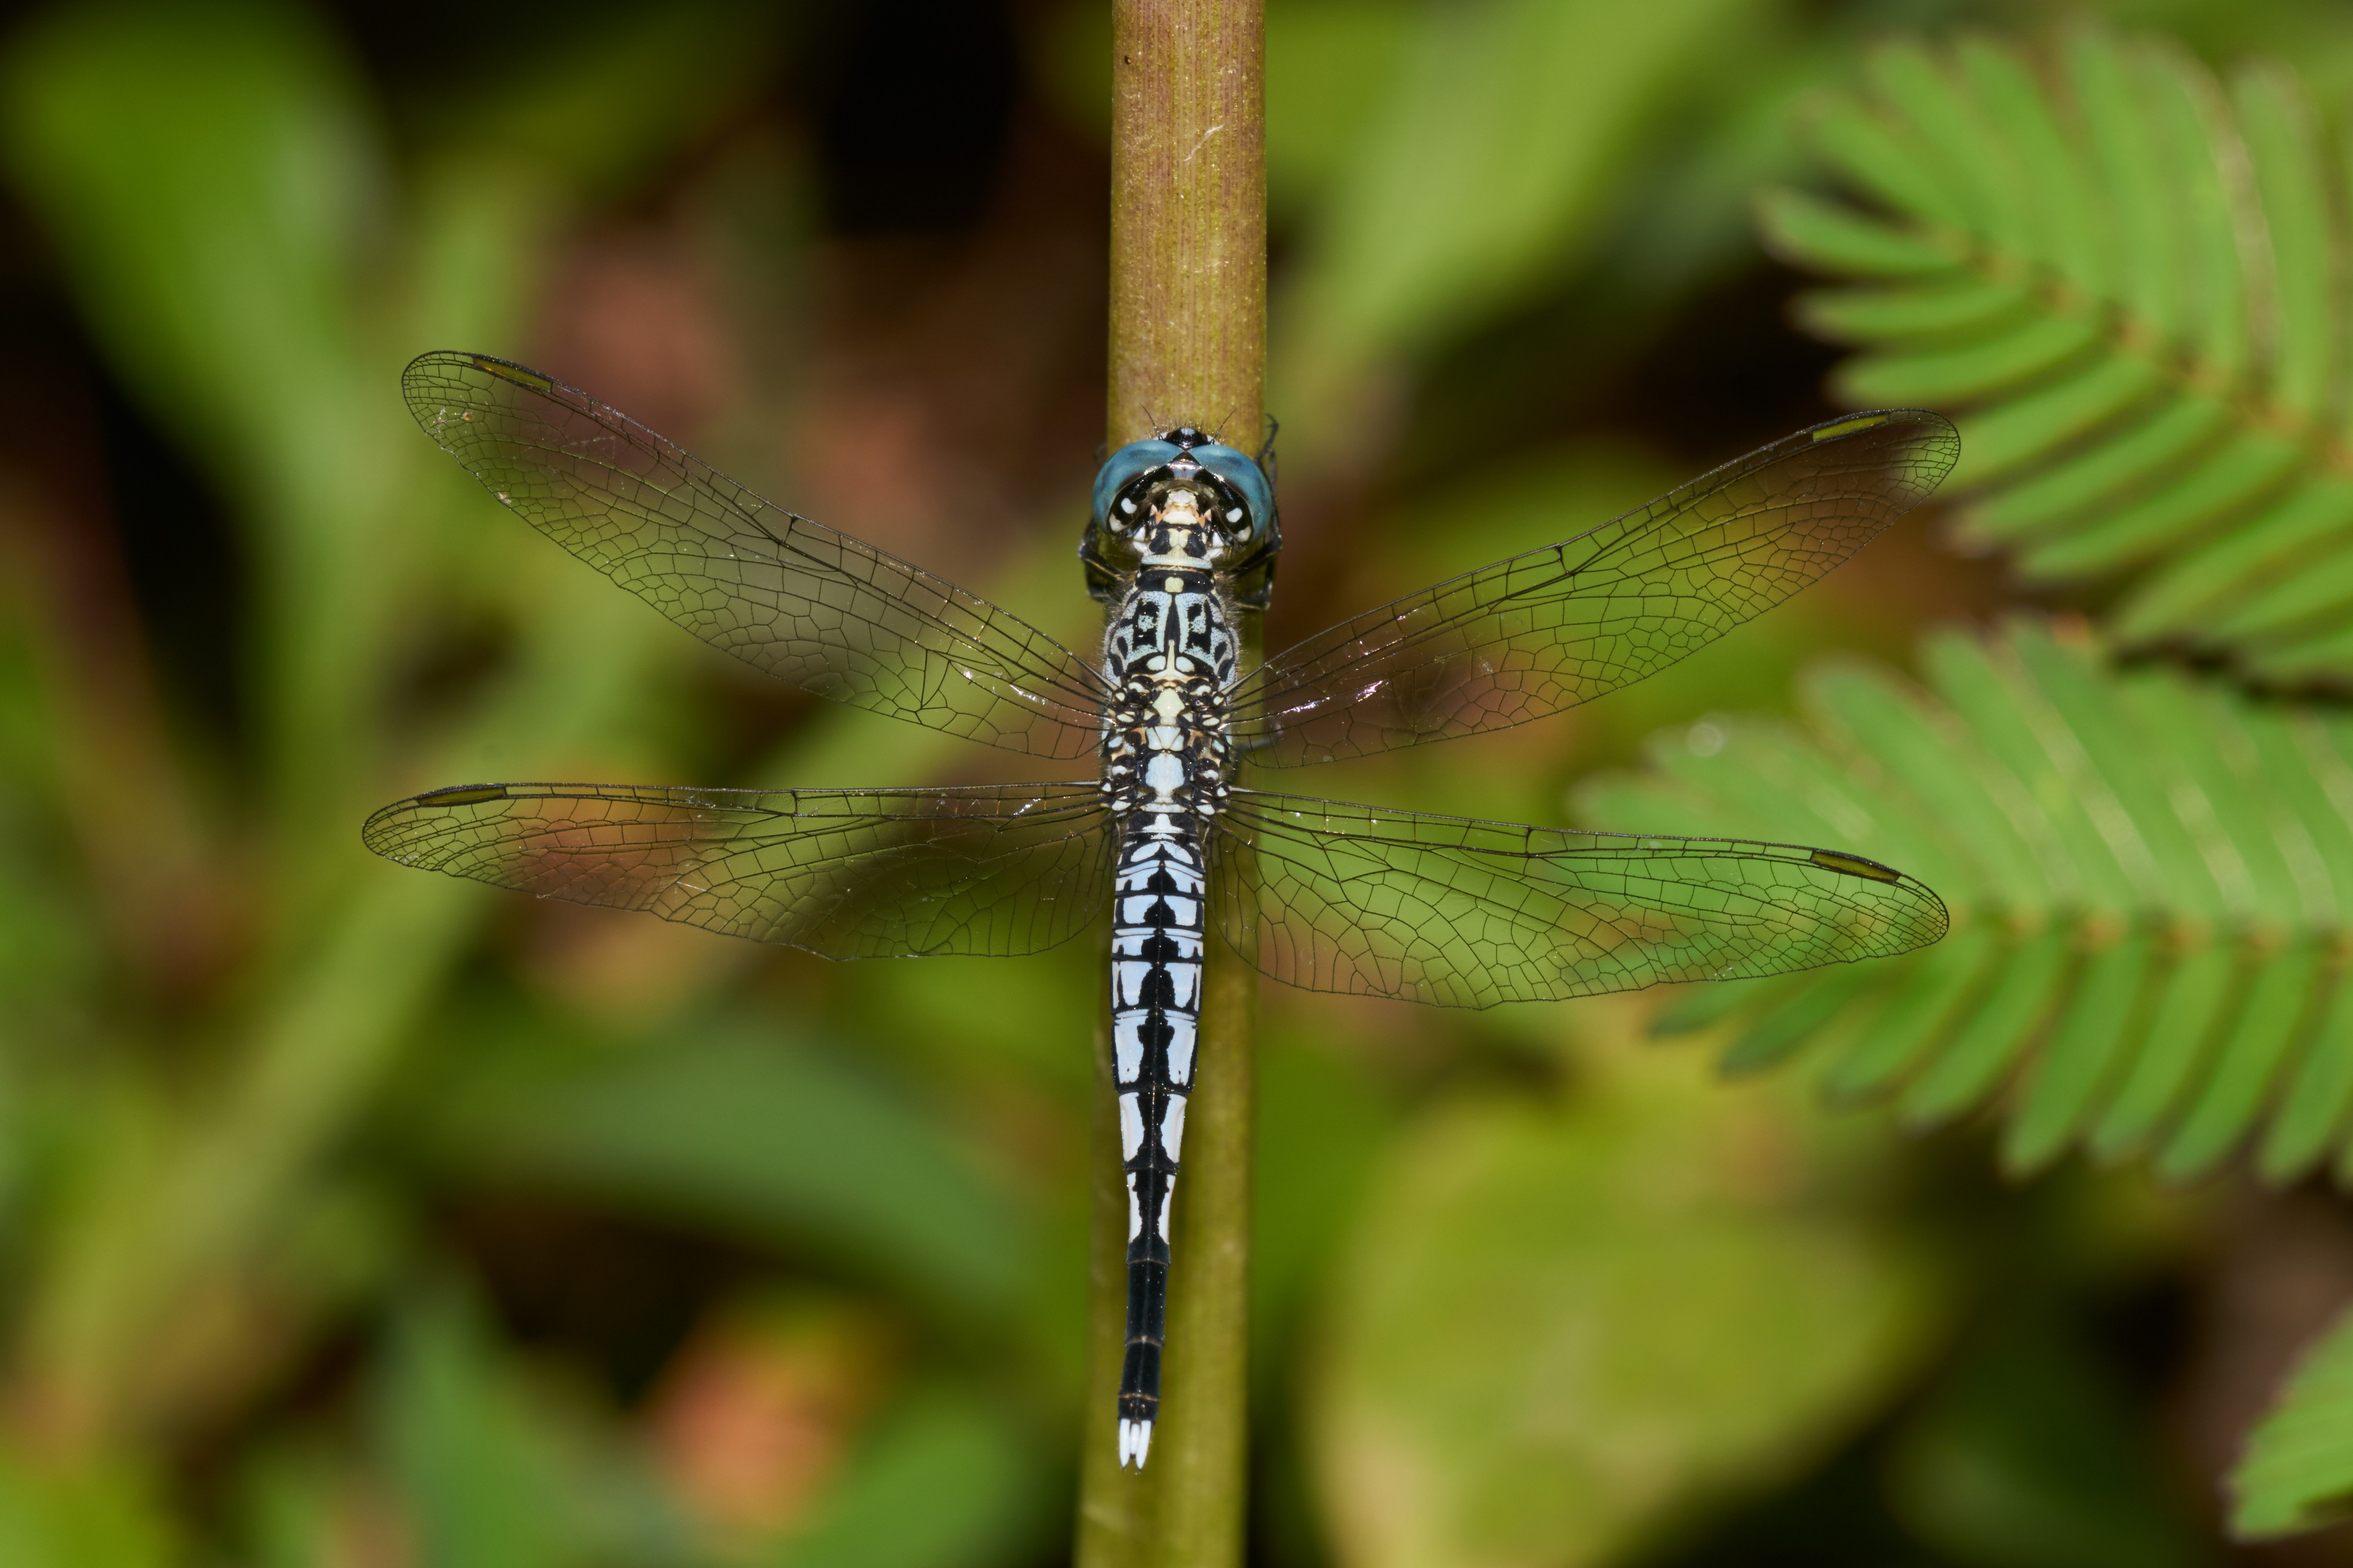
(1169, 657)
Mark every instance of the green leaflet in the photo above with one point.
(2125, 281)
(2149, 877)
(2099, 1015)
(2298, 1469)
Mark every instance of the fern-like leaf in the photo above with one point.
(2129, 285)
(2151, 880)
(2297, 1471)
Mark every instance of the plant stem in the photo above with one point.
(1188, 217)
(1187, 347)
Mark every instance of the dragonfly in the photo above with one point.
(1180, 543)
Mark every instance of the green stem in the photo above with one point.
(1187, 347)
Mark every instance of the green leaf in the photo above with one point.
(2125, 282)
(474, 1476)
(2299, 1470)
(1780, 1031)
(209, 178)
(2078, 1055)
(765, 1140)
(2149, 877)
(1920, 1016)
(1983, 1047)
(1949, 304)
(1957, 373)
(488, 1467)
(1798, 226)
(1555, 1328)
(1485, 162)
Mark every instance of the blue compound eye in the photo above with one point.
(1237, 470)
(1126, 463)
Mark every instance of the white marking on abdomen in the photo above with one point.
(1131, 1126)
(1127, 1044)
(1128, 982)
(1180, 1050)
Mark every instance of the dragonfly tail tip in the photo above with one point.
(1134, 1443)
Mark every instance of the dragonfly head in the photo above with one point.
(1182, 499)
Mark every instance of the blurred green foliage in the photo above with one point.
(2025, 1454)
(1583, 1256)
(351, 1216)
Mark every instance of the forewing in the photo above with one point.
(786, 595)
(997, 871)
(1464, 913)
(1544, 631)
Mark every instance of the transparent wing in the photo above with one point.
(997, 870)
(1544, 631)
(786, 595)
(1464, 913)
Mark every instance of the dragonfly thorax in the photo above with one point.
(1168, 657)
